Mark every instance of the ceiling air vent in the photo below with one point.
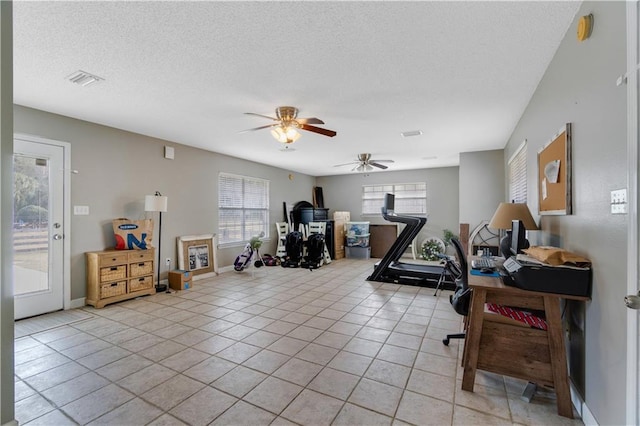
(411, 133)
(83, 78)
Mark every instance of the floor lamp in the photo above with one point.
(157, 203)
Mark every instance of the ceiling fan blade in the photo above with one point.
(310, 120)
(260, 115)
(380, 166)
(258, 128)
(381, 161)
(319, 130)
(346, 164)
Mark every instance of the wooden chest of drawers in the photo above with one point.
(116, 275)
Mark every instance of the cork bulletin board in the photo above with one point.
(554, 174)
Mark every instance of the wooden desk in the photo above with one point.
(494, 345)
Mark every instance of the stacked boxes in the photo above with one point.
(357, 234)
(340, 219)
(180, 280)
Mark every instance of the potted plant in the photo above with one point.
(430, 250)
(447, 235)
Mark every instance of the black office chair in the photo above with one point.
(461, 299)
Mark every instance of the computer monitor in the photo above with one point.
(518, 239)
(389, 204)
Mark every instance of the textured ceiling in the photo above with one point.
(462, 72)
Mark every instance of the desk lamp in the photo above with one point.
(157, 203)
(505, 213)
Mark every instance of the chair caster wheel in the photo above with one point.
(445, 342)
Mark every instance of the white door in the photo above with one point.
(38, 231)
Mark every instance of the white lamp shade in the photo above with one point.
(155, 203)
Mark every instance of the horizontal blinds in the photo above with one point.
(243, 207)
(410, 198)
(518, 176)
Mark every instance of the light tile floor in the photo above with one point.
(281, 347)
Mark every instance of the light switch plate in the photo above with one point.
(169, 152)
(80, 210)
(619, 196)
(619, 201)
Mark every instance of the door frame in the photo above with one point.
(66, 217)
(633, 248)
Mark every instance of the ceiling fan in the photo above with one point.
(286, 125)
(366, 164)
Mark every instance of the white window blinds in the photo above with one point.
(518, 175)
(243, 208)
(410, 198)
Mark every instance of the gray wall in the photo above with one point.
(579, 88)
(344, 193)
(118, 168)
(481, 185)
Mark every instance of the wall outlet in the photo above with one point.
(167, 261)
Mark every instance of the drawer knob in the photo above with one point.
(114, 284)
(113, 268)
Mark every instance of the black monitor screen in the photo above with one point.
(517, 237)
(389, 201)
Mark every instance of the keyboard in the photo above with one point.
(483, 262)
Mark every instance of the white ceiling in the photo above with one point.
(462, 72)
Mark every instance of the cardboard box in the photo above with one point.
(180, 280)
(340, 218)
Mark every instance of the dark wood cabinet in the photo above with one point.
(381, 239)
(306, 215)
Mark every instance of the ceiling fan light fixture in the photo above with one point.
(285, 134)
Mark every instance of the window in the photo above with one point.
(243, 208)
(411, 198)
(518, 175)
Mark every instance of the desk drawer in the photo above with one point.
(110, 259)
(140, 255)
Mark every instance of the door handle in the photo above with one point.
(57, 236)
(632, 301)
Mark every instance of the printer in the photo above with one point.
(529, 274)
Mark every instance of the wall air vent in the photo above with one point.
(83, 78)
(411, 133)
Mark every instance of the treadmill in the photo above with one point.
(391, 270)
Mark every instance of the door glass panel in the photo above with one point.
(30, 224)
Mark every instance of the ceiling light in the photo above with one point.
(432, 157)
(285, 134)
(411, 133)
(84, 78)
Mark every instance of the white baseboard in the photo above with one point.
(77, 303)
(583, 410)
(11, 423)
(204, 276)
(226, 269)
